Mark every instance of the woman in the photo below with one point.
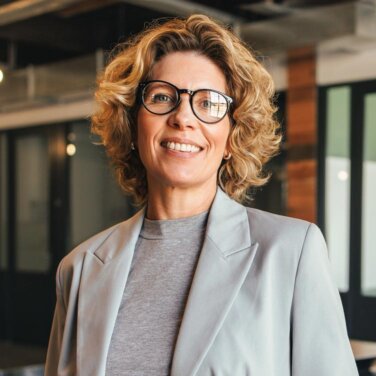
(195, 283)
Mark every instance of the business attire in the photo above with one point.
(262, 301)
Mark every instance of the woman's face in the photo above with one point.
(167, 165)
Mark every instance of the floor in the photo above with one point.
(13, 356)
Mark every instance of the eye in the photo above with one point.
(161, 98)
(205, 103)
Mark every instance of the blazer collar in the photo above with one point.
(224, 262)
(103, 278)
(227, 218)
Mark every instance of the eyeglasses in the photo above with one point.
(161, 97)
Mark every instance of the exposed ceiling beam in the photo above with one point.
(184, 8)
(268, 8)
(52, 33)
(23, 9)
(85, 6)
(312, 26)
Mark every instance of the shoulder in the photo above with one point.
(286, 233)
(274, 225)
(89, 245)
(271, 232)
(288, 248)
(70, 266)
(113, 237)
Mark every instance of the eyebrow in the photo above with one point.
(224, 91)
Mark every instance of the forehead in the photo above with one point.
(189, 70)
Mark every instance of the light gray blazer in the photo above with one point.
(262, 302)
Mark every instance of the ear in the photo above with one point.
(227, 152)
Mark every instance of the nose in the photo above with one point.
(183, 117)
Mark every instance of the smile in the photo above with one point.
(187, 148)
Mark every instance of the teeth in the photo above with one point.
(182, 147)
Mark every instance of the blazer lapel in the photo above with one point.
(104, 276)
(225, 259)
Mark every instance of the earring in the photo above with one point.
(227, 156)
(132, 146)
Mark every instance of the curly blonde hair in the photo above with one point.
(254, 136)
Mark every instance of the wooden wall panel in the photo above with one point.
(302, 116)
(301, 198)
(302, 134)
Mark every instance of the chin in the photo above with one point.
(181, 183)
(181, 178)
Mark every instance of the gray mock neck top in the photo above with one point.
(155, 295)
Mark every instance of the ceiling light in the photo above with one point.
(71, 150)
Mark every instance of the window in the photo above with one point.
(337, 182)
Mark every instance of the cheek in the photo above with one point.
(148, 130)
(145, 129)
(142, 140)
(219, 139)
(141, 128)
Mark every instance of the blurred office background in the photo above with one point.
(56, 188)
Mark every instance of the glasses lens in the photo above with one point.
(209, 106)
(159, 98)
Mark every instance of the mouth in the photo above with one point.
(181, 147)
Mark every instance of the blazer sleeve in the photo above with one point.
(320, 344)
(60, 354)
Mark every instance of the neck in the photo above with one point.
(173, 203)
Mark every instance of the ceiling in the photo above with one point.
(54, 30)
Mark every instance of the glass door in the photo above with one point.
(56, 190)
(363, 222)
(95, 199)
(337, 182)
(29, 261)
(347, 197)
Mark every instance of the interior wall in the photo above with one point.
(332, 67)
(344, 66)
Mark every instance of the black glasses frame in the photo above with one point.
(191, 93)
